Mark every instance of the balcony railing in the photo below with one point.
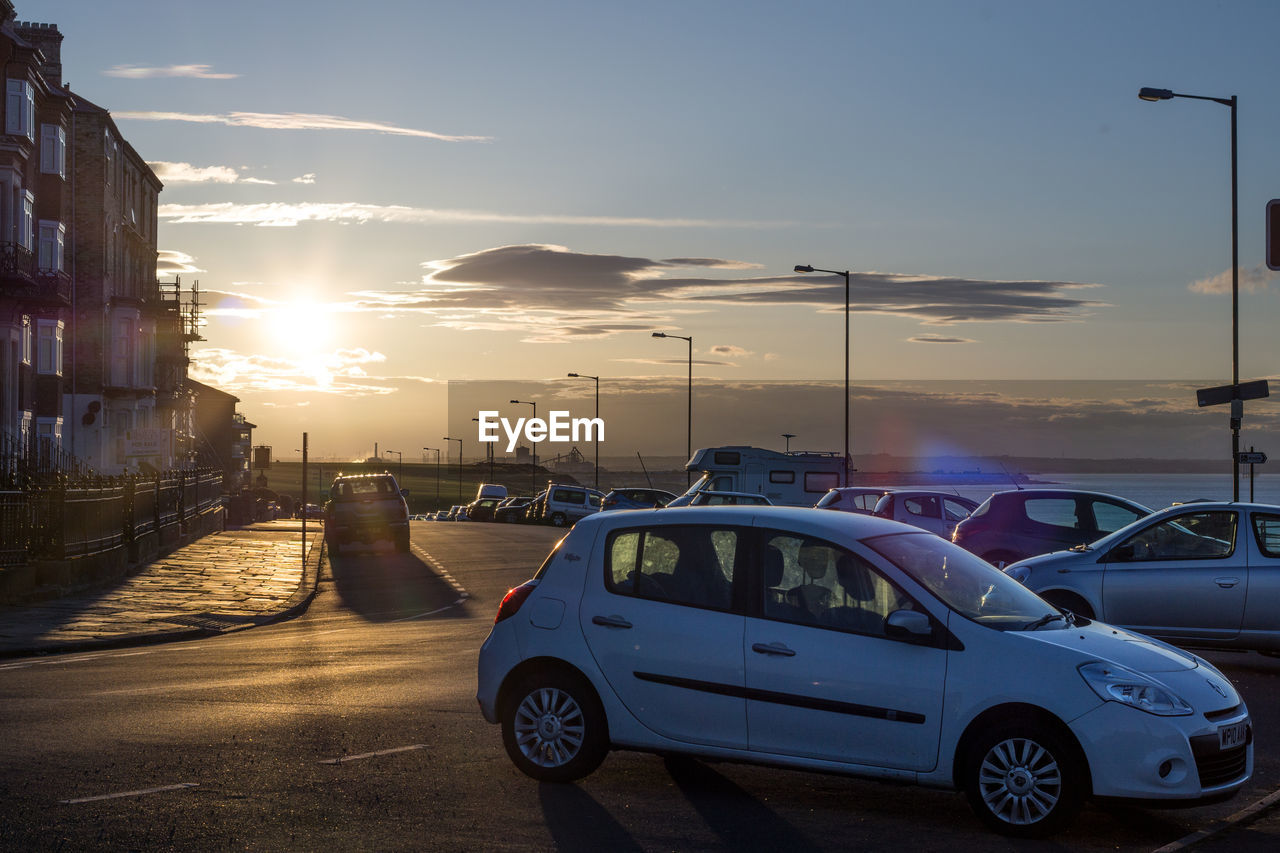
(22, 277)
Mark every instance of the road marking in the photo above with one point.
(1239, 817)
(347, 758)
(439, 569)
(431, 612)
(16, 665)
(179, 787)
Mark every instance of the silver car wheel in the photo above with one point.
(549, 727)
(1020, 781)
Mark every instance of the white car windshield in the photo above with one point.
(967, 584)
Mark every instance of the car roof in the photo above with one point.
(1049, 492)
(807, 520)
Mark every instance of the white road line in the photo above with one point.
(346, 758)
(430, 612)
(179, 787)
(1241, 816)
(16, 665)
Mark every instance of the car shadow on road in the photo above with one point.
(384, 586)
(741, 821)
(577, 822)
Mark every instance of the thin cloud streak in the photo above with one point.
(293, 121)
(185, 173)
(282, 214)
(1251, 281)
(142, 72)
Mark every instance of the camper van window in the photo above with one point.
(721, 484)
(820, 481)
(728, 457)
(782, 476)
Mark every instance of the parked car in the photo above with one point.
(636, 498)
(533, 512)
(937, 512)
(457, 513)
(511, 510)
(860, 499)
(365, 508)
(1206, 574)
(482, 509)
(718, 498)
(1020, 523)
(812, 640)
(564, 505)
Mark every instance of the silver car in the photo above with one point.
(1202, 574)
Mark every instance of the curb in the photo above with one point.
(295, 606)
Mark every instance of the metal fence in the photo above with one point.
(78, 516)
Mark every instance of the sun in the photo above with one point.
(301, 327)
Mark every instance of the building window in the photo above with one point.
(122, 352)
(20, 109)
(50, 343)
(53, 150)
(51, 249)
(24, 219)
(49, 429)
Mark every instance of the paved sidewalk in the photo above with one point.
(223, 582)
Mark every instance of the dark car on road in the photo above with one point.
(636, 498)
(511, 510)
(1016, 524)
(366, 508)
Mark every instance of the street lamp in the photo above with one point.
(400, 470)
(533, 477)
(437, 450)
(446, 438)
(596, 432)
(806, 268)
(488, 453)
(1237, 406)
(689, 437)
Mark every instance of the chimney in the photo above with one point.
(46, 39)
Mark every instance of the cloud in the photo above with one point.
(1251, 281)
(185, 173)
(292, 121)
(552, 293)
(171, 261)
(309, 178)
(141, 72)
(939, 339)
(342, 372)
(288, 215)
(730, 350)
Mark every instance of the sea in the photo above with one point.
(1155, 491)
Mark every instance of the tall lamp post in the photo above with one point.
(596, 433)
(446, 438)
(533, 477)
(1237, 406)
(844, 480)
(488, 453)
(437, 450)
(689, 425)
(400, 469)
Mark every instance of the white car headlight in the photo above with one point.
(1114, 683)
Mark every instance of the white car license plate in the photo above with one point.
(1233, 735)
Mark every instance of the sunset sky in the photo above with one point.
(378, 198)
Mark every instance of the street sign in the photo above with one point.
(1273, 234)
(1251, 457)
(1226, 393)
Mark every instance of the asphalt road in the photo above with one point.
(355, 726)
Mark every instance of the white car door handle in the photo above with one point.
(773, 649)
(1226, 583)
(610, 621)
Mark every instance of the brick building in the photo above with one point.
(93, 348)
(35, 204)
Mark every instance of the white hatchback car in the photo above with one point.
(824, 641)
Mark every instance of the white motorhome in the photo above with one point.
(790, 479)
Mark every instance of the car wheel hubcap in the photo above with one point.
(1020, 781)
(549, 727)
